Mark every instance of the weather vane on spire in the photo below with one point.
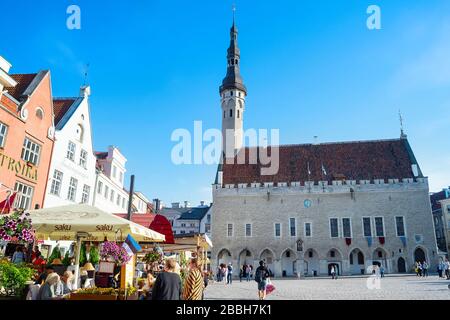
(401, 123)
(233, 8)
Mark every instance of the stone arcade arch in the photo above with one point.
(245, 257)
(334, 258)
(379, 258)
(288, 263)
(356, 261)
(268, 257)
(311, 262)
(419, 254)
(224, 256)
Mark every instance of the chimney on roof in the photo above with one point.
(202, 203)
(316, 140)
(157, 205)
(175, 205)
(186, 204)
(85, 91)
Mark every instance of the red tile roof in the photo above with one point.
(156, 222)
(23, 81)
(61, 106)
(362, 160)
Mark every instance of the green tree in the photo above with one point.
(83, 257)
(66, 260)
(94, 255)
(56, 254)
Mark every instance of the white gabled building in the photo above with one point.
(71, 177)
(110, 196)
(140, 203)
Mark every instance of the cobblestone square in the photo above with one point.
(393, 287)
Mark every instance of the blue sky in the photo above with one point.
(311, 68)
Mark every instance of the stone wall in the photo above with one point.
(264, 205)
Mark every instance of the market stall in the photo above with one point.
(86, 223)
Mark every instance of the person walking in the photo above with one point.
(425, 269)
(439, 269)
(382, 272)
(230, 273)
(194, 284)
(447, 269)
(168, 283)
(224, 271)
(248, 272)
(241, 273)
(261, 275)
(333, 272)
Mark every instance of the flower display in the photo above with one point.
(115, 252)
(17, 227)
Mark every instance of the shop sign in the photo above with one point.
(19, 167)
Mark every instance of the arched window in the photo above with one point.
(231, 113)
(238, 114)
(236, 61)
(231, 93)
(39, 113)
(332, 254)
(351, 258)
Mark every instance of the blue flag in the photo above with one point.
(131, 245)
(369, 241)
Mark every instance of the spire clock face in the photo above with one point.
(307, 203)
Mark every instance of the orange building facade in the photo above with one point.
(26, 135)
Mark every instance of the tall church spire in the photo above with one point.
(232, 98)
(233, 79)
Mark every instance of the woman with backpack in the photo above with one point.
(261, 276)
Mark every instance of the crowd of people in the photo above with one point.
(168, 284)
(421, 269)
(443, 269)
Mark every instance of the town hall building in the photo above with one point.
(351, 205)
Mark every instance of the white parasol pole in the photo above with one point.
(77, 261)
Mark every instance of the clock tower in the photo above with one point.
(232, 96)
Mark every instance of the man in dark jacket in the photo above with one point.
(261, 275)
(168, 283)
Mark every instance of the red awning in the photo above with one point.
(156, 222)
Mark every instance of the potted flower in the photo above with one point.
(111, 251)
(94, 294)
(16, 227)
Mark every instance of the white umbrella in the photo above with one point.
(75, 222)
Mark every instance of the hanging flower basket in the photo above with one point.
(111, 251)
(16, 227)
